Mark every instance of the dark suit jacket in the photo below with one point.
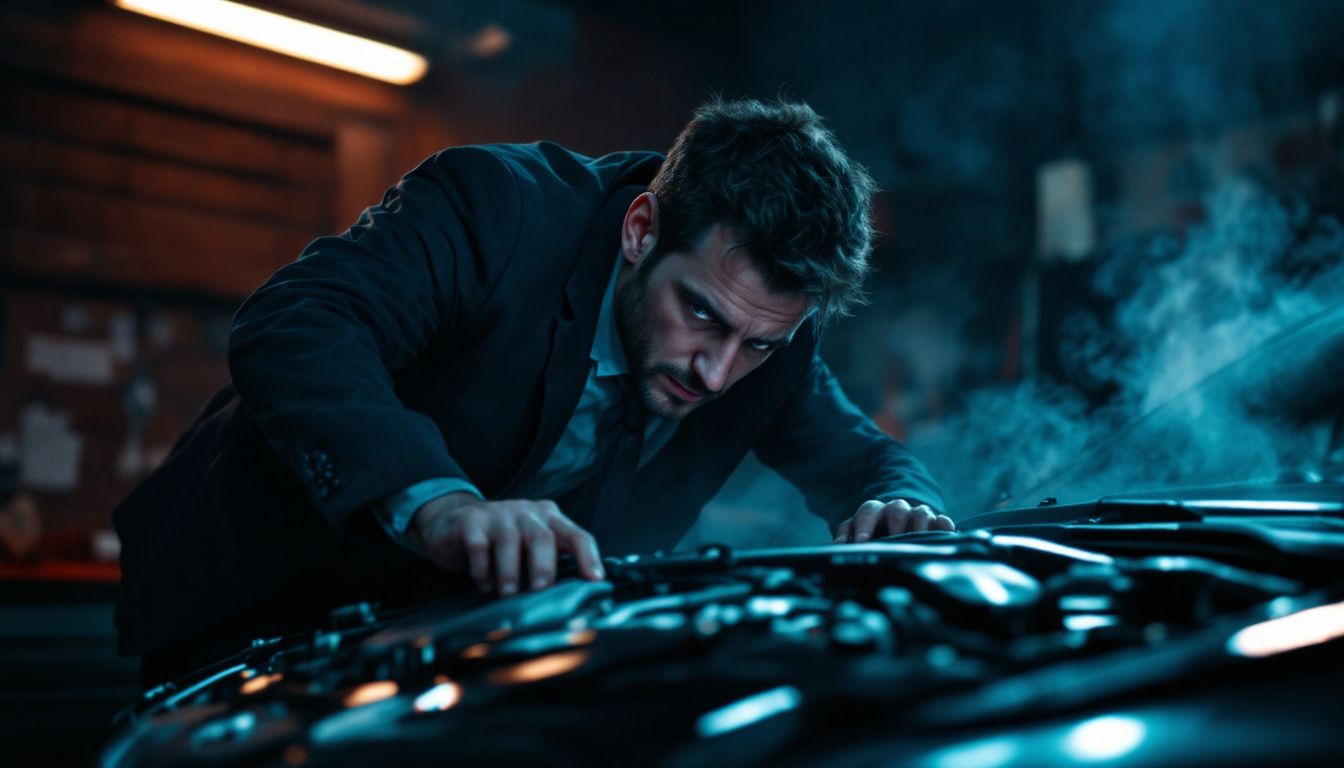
(446, 334)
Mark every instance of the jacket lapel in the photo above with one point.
(573, 332)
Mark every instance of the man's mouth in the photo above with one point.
(680, 392)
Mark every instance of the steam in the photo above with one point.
(1184, 309)
(1260, 263)
(1223, 294)
(966, 106)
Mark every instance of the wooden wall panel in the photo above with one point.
(155, 176)
(116, 50)
(67, 116)
(127, 241)
(364, 169)
(110, 120)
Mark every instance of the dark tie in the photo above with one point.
(600, 502)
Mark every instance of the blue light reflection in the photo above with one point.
(1104, 738)
(748, 711)
(985, 753)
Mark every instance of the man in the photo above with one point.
(520, 352)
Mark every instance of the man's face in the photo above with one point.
(695, 323)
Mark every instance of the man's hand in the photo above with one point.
(492, 538)
(890, 518)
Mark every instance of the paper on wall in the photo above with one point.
(70, 360)
(160, 330)
(105, 545)
(130, 459)
(121, 336)
(153, 455)
(49, 450)
(76, 319)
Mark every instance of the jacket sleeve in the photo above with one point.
(836, 455)
(311, 351)
(394, 511)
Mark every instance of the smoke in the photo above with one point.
(1260, 263)
(952, 107)
(1184, 309)
(1224, 293)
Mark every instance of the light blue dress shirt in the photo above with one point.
(574, 458)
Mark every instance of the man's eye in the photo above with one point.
(700, 312)
(761, 346)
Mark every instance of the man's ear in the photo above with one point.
(639, 231)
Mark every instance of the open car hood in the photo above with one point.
(1188, 626)
(1137, 631)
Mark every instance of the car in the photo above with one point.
(1189, 624)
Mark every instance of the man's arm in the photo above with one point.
(822, 443)
(311, 355)
(311, 351)
(396, 510)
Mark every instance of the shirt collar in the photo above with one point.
(608, 352)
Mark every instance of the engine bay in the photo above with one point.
(1121, 630)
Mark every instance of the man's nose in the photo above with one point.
(714, 363)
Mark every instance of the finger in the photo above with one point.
(578, 542)
(476, 544)
(921, 518)
(866, 519)
(844, 531)
(942, 523)
(540, 543)
(506, 557)
(897, 516)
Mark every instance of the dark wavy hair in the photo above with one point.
(775, 173)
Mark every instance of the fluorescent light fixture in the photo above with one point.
(291, 37)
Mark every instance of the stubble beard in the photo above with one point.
(636, 332)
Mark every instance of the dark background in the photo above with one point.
(1085, 207)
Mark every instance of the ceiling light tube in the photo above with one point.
(291, 37)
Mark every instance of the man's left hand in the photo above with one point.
(890, 518)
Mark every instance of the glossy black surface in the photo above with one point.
(1041, 641)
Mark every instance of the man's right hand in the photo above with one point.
(492, 538)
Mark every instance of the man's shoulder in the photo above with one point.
(556, 170)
